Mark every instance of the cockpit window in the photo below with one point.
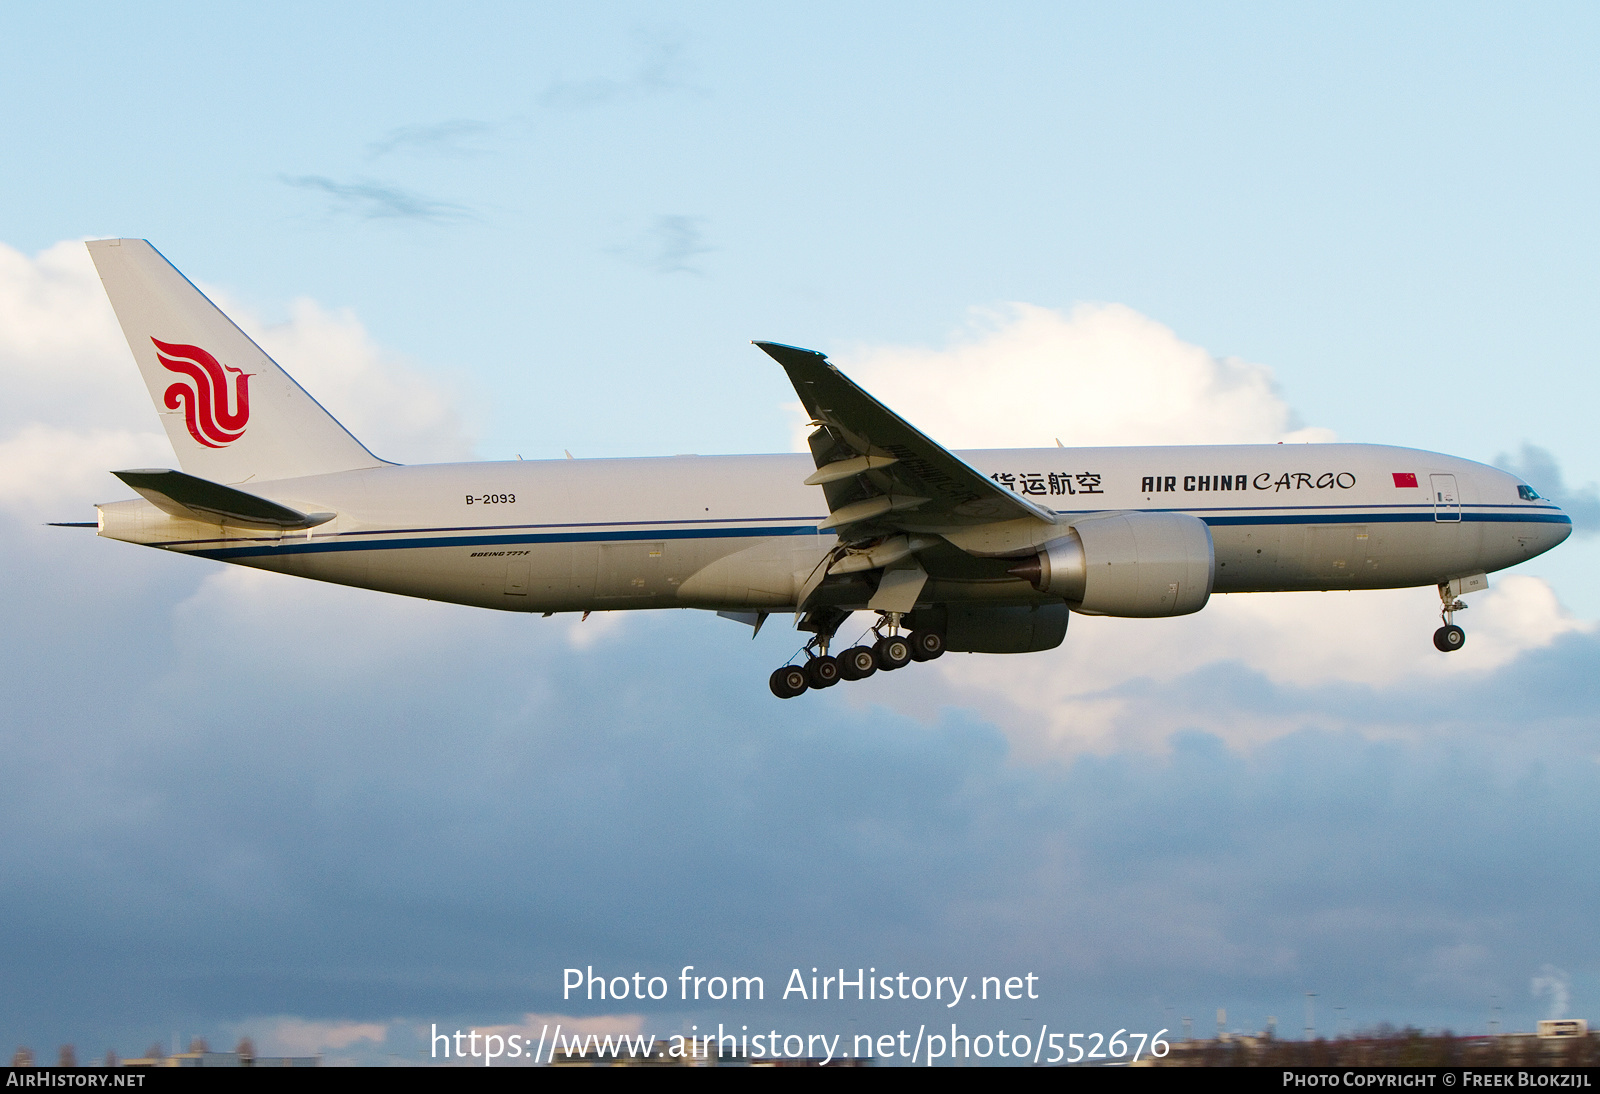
(1527, 493)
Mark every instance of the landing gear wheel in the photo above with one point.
(857, 663)
(894, 652)
(926, 645)
(788, 681)
(822, 672)
(1449, 638)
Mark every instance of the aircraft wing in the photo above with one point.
(880, 474)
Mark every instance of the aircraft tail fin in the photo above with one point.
(231, 413)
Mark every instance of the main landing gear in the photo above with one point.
(1449, 638)
(889, 651)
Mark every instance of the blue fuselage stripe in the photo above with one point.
(620, 533)
(613, 536)
(1394, 518)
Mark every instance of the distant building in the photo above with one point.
(1564, 1042)
(223, 1059)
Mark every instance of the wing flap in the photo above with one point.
(847, 469)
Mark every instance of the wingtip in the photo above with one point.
(779, 350)
(767, 344)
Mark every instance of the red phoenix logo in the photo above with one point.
(205, 404)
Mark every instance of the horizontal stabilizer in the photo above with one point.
(191, 498)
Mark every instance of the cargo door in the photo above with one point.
(629, 569)
(1332, 552)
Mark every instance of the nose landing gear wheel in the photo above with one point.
(1449, 638)
(788, 681)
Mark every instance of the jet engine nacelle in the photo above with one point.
(1128, 564)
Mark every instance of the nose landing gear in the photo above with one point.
(1449, 638)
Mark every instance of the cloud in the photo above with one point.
(63, 360)
(346, 1042)
(428, 1041)
(72, 405)
(1115, 685)
(378, 201)
(382, 398)
(536, 1033)
(668, 245)
(1538, 468)
(345, 806)
(1101, 374)
(51, 473)
(437, 810)
(600, 627)
(659, 70)
(335, 807)
(289, 1036)
(1556, 984)
(1106, 375)
(453, 139)
(529, 1025)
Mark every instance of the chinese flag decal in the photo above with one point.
(1405, 478)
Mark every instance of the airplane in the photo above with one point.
(976, 551)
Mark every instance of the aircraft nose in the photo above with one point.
(1547, 533)
(1560, 532)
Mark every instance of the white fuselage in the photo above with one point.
(740, 533)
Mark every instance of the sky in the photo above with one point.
(241, 804)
